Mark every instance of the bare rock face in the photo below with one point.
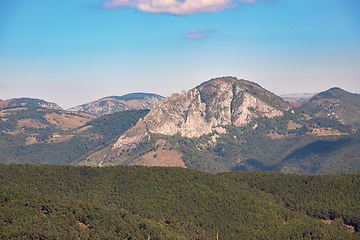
(219, 96)
(132, 137)
(204, 109)
(181, 113)
(100, 108)
(243, 115)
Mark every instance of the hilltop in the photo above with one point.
(111, 104)
(337, 104)
(27, 103)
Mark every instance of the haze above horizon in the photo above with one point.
(73, 52)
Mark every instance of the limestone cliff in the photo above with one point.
(200, 110)
(180, 113)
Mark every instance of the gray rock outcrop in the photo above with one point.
(203, 109)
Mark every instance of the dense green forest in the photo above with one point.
(136, 202)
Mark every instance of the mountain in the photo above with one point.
(337, 104)
(227, 124)
(27, 102)
(203, 110)
(113, 104)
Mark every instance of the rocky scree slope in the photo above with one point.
(111, 104)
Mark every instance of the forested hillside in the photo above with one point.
(335, 103)
(51, 144)
(133, 202)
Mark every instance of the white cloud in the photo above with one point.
(178, 7)
(195, 34)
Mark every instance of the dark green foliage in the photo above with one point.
(323, 196)
(64, 202)
(113, 125)
(43, 153)
(330, 123)
(325, 155)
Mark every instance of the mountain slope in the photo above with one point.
(33, 116)
(36, 132)
(335, 103)
(200, 111)
(113, 104)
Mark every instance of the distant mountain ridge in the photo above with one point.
(111, 104)
(297, 97)
(28, 102)
(337, 104)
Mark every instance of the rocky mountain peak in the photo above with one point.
(200, 110)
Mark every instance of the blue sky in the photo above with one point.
(75, 51)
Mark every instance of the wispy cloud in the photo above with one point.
(178, 7)
(195, 34)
